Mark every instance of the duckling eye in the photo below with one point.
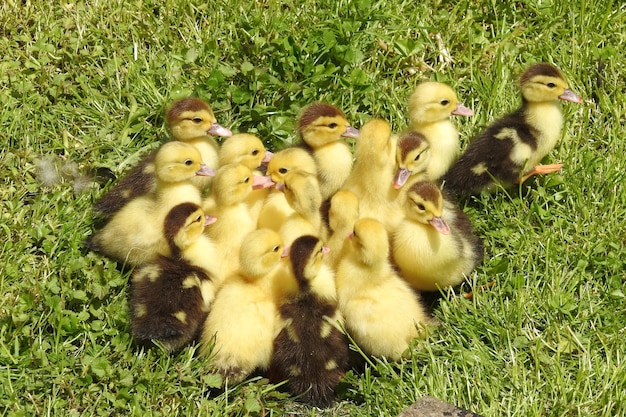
(276, 248)
(255, 152)
(197, 120)
(551, 85)
(421, 207)
(188, 162)
(417, 157)
(332, 125)
(246, 180)
(282, 170)
(444, 102)
(197, 219)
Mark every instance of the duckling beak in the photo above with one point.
(218, 130)
(569, 95)
(260, 182)
(279, 186)
(440, 225)
(268, 157)
(461, 110)
(402, 174)
(351, 132)
(286, 252)
(209, 220)
(205, 171)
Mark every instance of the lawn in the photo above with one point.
(83, 86)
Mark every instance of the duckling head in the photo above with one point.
(178, 161)
(369, 241)
(412, 155)
(344, 210)
(233, 183)
(307, 254)
(190, 118)
(244, 148)
(260, 252)
(432, 102)
(183, 225)
(288, 160)
(302, 191)
(544, 82)
(321, 123)
(424, 204)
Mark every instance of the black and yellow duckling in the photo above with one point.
(381, 312)
(170, 296)
(240, 329)
(430, 106)
(310, 352)
(434, 247)
(412, 159)
(322, 127)
(510, 150)
(189, 120)
(134, 235)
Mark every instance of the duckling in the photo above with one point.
(276, 209)
(371, 179)
(321, 127)
(310, 352)
(510, 149)
(189, 120)
(412, 158)
(342, 214)
(303, 195)
(134, 234)
(232, 185)
(381, 311)
(434, 246)
(430, 107)
(170, 296)
(240, 329)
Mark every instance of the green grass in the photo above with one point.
(86, 85)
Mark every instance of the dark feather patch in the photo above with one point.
(186, 104)
(541, 69)
(409, 141)
(314, 112)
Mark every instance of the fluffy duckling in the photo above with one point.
(275, 208)
(310, 352)
(434, 246)
(134, 234)
(170, 296)
(430, 107)
(371, 179)
(232, 185)
(321, 127)
(412, 159)
(342, 214)
(189, 120)
(302, 192)
(240, 329)
(381, 311)
(510, 149)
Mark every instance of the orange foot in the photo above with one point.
(541, 169)
(470, 295)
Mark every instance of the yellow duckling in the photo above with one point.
(321, 127)
(189, 120)
(381, 311)
(275, 208)
(232, 185)
(134, 234)
(371, 179)
(302, 192)
(412, 159)
(430, 107)
(311, 351)
(240, 329)
(343, 213)
(170, 296)
(510, 149)
(434, 246)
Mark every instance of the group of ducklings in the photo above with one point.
(313, 243)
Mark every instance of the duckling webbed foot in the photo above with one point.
(541, 169)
